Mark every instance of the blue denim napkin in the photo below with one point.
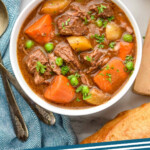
(40, 135)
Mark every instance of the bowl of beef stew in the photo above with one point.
(75, 57)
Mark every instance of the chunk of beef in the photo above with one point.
(72, 25)
(31, 61)
(38, 79)
(86, 80)
(32, 58)
(104, 60)
(52, 61)
(107, 12)
(64, 51)
(94, 59)
(76, 11)
(93, 29)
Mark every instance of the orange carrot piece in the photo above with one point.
(41, 30)
(125, 49)
(60, 91)
(111, 77)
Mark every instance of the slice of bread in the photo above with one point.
(131, 124)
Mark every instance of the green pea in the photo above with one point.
(29, 44)
(85, 90)
(59, 61)
(99, 23)
(127, 37)
(130, 66)
(74, 81)
(49, 47)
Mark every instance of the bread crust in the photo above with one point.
(131, 124)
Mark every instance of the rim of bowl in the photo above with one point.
(65, 111)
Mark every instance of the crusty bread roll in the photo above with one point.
(131, 124)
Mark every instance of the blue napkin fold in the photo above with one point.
(40, 135)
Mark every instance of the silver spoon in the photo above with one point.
(17, 119)
(4, 19)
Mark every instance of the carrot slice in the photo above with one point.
(111, 77)
(60, 91)
(125, 49)
(41, 31)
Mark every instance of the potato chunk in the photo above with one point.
(79, 43)
(113, 31)
(98, 97)
(54, 7)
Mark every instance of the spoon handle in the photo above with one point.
(17, 119)
(45, 116)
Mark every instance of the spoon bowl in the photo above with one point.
(3, 18)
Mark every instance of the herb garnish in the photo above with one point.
(79, 89)
(111, 18)
(99, 39)
(105, 24)
(76, 75)
(128, 58)
(112, 45)
(78, 100)
(85, 91)
(92, 17)
(85, 97)
(101, 46)
(112, 67)
(63, 25)
(101, 9)
(85, 21)
(88, 58)
(101, 74)
(40, 68)
(107, 67)
(109, 77)
(89, 12)
(67, 21)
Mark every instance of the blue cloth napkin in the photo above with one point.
(40, 135)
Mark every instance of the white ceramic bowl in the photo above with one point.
(50, 107)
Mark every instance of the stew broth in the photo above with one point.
(109, 49)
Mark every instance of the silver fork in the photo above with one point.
(17, 119)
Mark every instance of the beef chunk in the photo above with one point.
(33, 57)
(38, 79)
(94, 59)
(93, 29)
(104, 60)
(107, 12)
(76, 11)
(64, 51)
(31, 61)
(72, 25)
(52, 61)
(86, 80)
(73, 22)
